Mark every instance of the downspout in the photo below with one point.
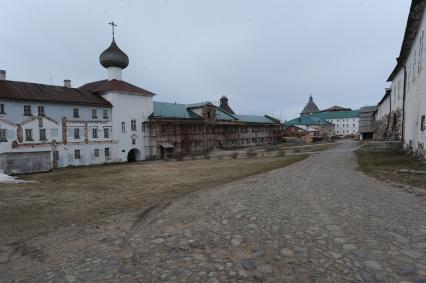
(403, 103)
(389, 116)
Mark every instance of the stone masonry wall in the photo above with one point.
(389, 127)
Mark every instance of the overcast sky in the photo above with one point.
(266, 56)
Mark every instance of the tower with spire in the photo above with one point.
(310, 107)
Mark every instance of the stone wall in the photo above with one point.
(25, 162)
(389, 127)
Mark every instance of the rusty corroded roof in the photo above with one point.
(114, 85)
(49, 93)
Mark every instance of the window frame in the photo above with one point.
(3, 135)
(29, 135)
(95, 133)
(42, 137)
(96, 153)
(77, 154)
(423, 123)
(105, 114)
(76, 133)
(2, 108)
(94, 113)
(106, 133)
(133, 126)
(76, 113)
(40, 111)
(28, 110)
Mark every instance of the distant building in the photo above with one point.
(346, 122)
(322, 126)
(367, 123)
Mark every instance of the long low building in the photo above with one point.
(178, 129)
(46, 126)
(401, 113)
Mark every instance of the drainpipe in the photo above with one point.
(403, 103)
(389, 117)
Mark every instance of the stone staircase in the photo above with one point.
(381, 146)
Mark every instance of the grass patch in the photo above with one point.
(88, 194)
(385, 165)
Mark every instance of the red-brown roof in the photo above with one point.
(106, 85)
(49, 93)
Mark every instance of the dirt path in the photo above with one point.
(318, 220)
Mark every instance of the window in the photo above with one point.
(75, 113)
(107, 152)
(422, 124)
(95, 133)
(106, 133)
(123, 127)
(105, 114)
(76, 133)
(28, 134)
(133, 125)
(3, 135)
(94, 113)
(42, 134)
(2, 109)
(27, 110)
(96, 152)
(133, 141)
(143, 127)
(77, 154)
(41, 111)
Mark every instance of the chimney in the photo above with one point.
(67, 83)
(2, 75)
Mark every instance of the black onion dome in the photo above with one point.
(114, 57)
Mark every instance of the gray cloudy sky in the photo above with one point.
(265, 55)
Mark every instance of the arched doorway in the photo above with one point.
(133, 155)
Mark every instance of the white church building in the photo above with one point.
(46, 126)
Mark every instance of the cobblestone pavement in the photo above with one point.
(319, 220)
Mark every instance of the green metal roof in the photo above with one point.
(183, 111)
(255, 119)
(173, 110)
(307, 121)
(336, 114)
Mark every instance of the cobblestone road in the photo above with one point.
(319, 220)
